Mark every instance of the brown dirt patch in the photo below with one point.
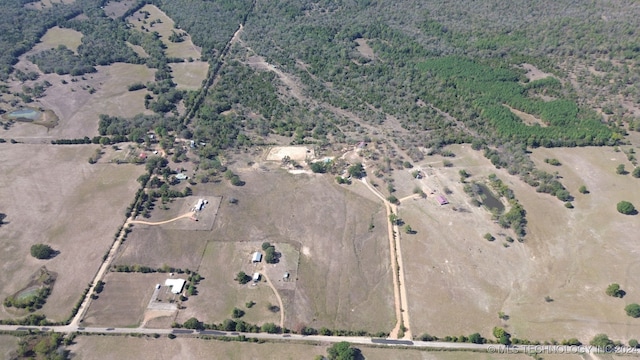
(526, 118)
(533, 73)
(364, 49)
(52, 195)
(124, 299)
(297, 153)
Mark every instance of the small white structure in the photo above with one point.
(176, 285)
(157, 286)
(257, 257)
(256, 276)
(199, 204)
(285, 276)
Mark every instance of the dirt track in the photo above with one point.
(187, 215)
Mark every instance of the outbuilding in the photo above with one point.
(442, 200)
(176, 285)
(256, 276)
(257, 257)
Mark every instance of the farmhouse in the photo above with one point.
(176, 285)
(257, 257)
(442, 200)
(256, 276)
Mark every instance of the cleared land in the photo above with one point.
(189, 75)
(527, 118)
(75, 105)
(184, 49)
(107, 347)
(58, 36)
(124, 299)
(39, 5)
(218, 293)
(180, 206)
(450, 266)
(8, 344)
(297, 153)
(115, 9)
(52, 195)
(344, 277)
(533, 73)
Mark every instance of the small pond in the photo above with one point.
(24, 113)
(489, 200)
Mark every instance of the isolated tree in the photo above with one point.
(476, 338)
(242, 278)
(193, 323)
(633, 343)
(601, 341)
(356, 171)
(633, 310)
(583, 190)
(408, 229)
(41, 251)
(620, 170)
(343, 351)
(237, 313)
(614, 290)
(636, 172)
(625, 207)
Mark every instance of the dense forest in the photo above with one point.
(423, 73)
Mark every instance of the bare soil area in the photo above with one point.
(527, 118)
(364, 49)
(189, 75)
(124, 299)
(297, 153)
(204, 218)
(533, 73)
(449, 266)
(52, 195)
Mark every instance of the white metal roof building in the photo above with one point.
(176, 285)
(256, 276)
(257, 257)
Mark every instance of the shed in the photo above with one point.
(256, 276)
(199, 204)
(285, 276)
(181, 176)
(257, 257)
(176, 285)
(442, 200)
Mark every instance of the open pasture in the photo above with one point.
(458, 281)
(52, 195)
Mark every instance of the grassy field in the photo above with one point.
(115, 9)
(52, 195)
(344, 278)
(58, 36)
(123, 300)
(184, 50)
(43, 4)
(458, 281)
(189, 75)
(107, 347)
(218, 293)
(78, 104)
(8, 344)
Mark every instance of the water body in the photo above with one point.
(24, 113)
(490, 200)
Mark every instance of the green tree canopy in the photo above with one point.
(342, 351)
(625, 207)
(42, 251)
(633, 310)
(357, 171)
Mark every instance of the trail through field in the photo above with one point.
(187, 215)
(399, 288)
(275, 291)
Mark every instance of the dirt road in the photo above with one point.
(187, 215)
(275, 291)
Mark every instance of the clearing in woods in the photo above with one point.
(76, 211)
(57, 36)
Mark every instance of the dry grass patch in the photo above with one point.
(364, 49)
(8, 345)
(344, 277)
(568, 255)
(57, 36)
(139, 50)
(111, 347)
(189, 75)
(533, 73)
(184, 50)
(219, 293)
(115, 9)
(79, 103)
(528, 119)
(124, 299)
(43, 4)
(52, 195)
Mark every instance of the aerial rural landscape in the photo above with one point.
(353, 179)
